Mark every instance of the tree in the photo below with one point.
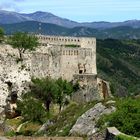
(64, 89)
(50, 90)
(31, 109)
(45, 89)
(1, 35)
(23, 42)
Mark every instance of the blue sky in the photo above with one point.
(79, 10)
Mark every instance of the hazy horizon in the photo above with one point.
(80, 10)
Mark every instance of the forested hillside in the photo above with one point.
(122, 32)
(119, 62)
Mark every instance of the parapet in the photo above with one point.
(83, 42)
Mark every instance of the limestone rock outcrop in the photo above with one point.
(86, 124)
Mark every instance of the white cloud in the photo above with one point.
(9, 7)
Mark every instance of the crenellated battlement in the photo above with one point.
(83, 42)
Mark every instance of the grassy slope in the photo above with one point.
(67, 118)
(62, 123)
(124, 137)
(119, 62)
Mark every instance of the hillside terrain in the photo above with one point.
(122, 32)
(119, 62)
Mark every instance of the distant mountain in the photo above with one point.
(44, 17)
(106, 25)
(12, 17)
(122, 32)
(7, 17)
(33, 27)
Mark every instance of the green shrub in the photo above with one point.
(124, 137)
(32, 110)
(126, 118)
(10, 133)
(1, 34)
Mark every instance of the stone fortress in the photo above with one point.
(69, 56)
(72, 58)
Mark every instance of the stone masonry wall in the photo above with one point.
(52, 58)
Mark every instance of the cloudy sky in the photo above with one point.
(79, 10)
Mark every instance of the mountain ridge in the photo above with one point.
(121, 32)
(7, 17)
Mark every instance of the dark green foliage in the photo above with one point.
(64, 89)
(32, 27)
(32, 109)
(123, 32)
(23, 42)
(118, 62)
(50, 90)
(44, 89)
(126, 118)
(72, 46)
(1, 35)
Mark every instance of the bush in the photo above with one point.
(32, 110)
(1, 35)
(126, 118)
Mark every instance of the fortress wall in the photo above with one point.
(88, 42)
(59, 40)
(74, 58)
(46, 64)
(62, 61)
(39, 65)
(88, 88)
(69, 63)
(71, 54)
(84, 42)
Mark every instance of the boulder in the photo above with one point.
(45, 126)
(86, 124)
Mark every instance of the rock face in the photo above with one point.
(86, 124)
(112, 132)
(3, 138)
(45, 126)
(11, 72)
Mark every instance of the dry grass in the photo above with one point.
(46, 138)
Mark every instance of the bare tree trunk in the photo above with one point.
(20, 55)
(60, 107)
(47, 104)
